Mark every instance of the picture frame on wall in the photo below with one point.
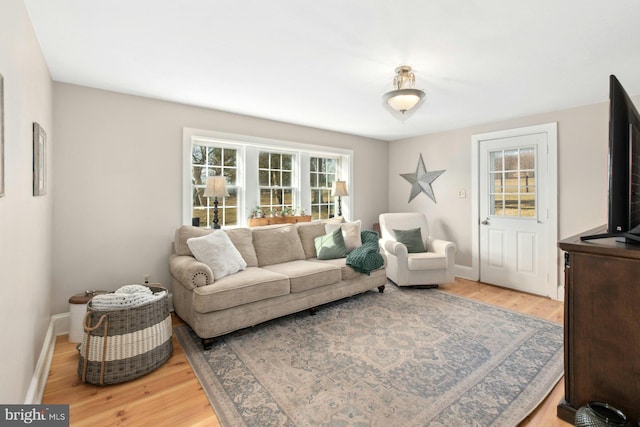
(39, 160)
(1, 136)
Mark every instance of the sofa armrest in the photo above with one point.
(190, 272)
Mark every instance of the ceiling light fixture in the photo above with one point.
(405, 96)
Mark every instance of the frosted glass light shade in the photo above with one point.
(403, 100)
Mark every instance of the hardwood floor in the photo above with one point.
(172, 396)
(169, 396)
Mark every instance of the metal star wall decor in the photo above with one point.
(421, 180)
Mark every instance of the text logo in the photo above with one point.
(34, 415)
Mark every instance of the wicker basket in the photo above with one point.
(121, 345)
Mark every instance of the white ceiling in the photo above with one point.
(327, 63)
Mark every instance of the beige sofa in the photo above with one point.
(283, 276)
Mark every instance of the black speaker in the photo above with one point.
(195, 221)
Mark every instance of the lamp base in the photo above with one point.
(215, 225)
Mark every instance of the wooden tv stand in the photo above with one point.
(601, 325)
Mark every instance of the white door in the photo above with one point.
(513, 212)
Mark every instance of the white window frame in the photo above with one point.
(187, 175)
(248, 188)
(295, 179)
(336, 176)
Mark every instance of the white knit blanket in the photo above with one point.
(127, 296)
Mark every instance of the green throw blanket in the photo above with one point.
(366, 258)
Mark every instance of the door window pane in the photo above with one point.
(527, 159)
(512, 182)
(510, 160)
(496, 205)
(528, 182)
(496, 161)
(527, 205)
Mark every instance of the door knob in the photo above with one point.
(485, 221)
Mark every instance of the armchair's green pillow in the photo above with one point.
(412, 239)
(331, 246)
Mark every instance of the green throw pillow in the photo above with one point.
(331, 246)
(412, 239)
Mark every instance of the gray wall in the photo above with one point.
(25, 221)
(582, 174)
(119, 182)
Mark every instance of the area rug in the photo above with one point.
(408, 357)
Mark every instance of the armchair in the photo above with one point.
(406, 268)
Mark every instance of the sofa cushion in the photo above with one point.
(184, 233)
(426, 261)
(350, 233)
(335, 219)
(242, 239)
(275, 244)
(308, 231)
(304, 275)
(331, 246)
(218, 252)
(250, 285)
(346, 272)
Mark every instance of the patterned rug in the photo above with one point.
(408, 357)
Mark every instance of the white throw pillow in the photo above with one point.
(217, 251)
(350, 233)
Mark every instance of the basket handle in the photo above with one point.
(88, 327)
(86, 323)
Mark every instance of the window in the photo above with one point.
(260, 172)
(513, 182)
(208, 161)
(322, 175)
(275, 176)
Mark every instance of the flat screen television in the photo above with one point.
(624, 167)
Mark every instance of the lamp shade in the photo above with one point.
(216, 187)
(339, 189)
(403, 100)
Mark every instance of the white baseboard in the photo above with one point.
(58, 325)
(463, 271)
